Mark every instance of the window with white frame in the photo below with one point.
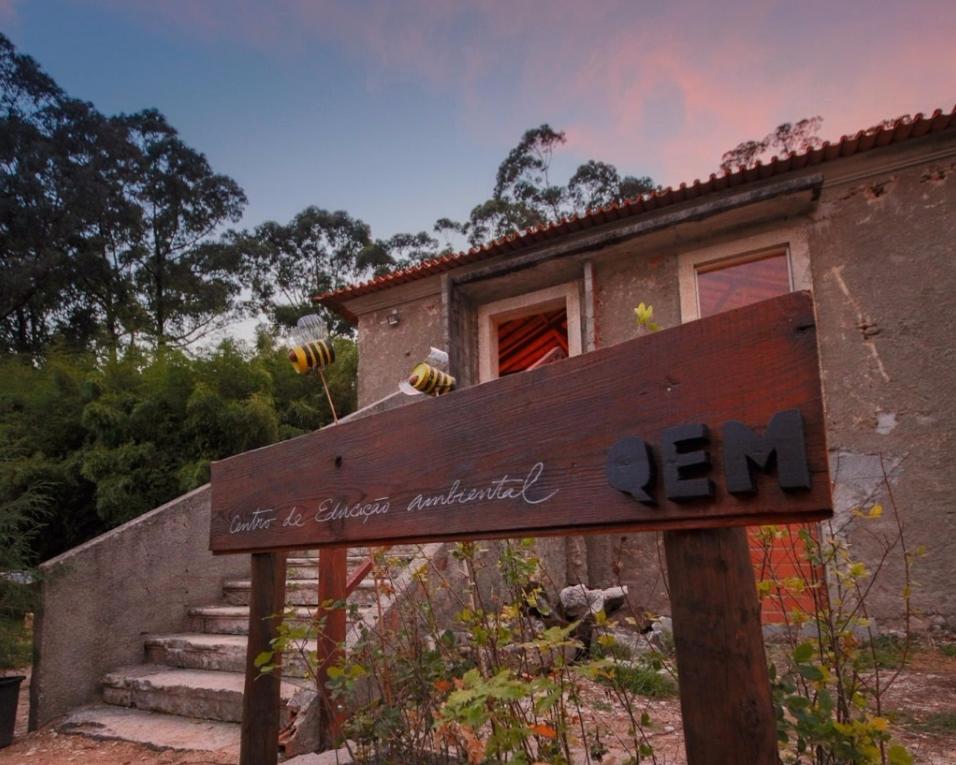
(522, 332)
(734, 274)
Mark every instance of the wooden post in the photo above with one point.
(724, 686)
(333, 572)
(259, 742)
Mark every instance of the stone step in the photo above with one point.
(234, 620)
(298, 592)
(186, 692)
(401, 551)
(308, 568)
(218, 653)
(154, 729)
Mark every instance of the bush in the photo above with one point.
(830, 685)
(476, 668)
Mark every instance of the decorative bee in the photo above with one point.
(430, 380)
(313, 350)
(429, 376)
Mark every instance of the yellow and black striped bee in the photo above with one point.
(315, 354)
(313, 350)
(431, 380)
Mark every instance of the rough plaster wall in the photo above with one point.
(101, 598)
(387, 354)
(882, 255)
(620, 285)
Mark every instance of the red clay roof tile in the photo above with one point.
(902, 129)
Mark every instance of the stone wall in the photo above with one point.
(99, 599)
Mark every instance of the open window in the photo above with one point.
(528, 330)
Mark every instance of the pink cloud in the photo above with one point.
(8, 11)
(647, 86)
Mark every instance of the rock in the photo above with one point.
(579, 601)
(661, 635)
(301, 735)
(331, 757)
(633, 642)
(614, 598)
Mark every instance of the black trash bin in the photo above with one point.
(9, 692)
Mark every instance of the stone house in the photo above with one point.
(868, 224)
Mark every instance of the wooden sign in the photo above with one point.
(714, 423)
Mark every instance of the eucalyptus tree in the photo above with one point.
(786, 138)
(187, 283)
(317, 251)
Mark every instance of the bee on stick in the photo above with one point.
(313, 352)
(429, 376)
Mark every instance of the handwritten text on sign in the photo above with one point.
(332, 509)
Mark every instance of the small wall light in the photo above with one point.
(393, 318)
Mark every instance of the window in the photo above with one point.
(741, 272)
(723, 285)
(517, 333)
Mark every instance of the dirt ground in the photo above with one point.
(921, 705)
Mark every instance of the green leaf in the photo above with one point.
(810, 672)
(898, 755)
(803, 653)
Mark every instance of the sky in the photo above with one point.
(400, 112)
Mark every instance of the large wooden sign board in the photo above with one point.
(697, 431)
(559, 450)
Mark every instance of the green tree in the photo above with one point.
(187, 283)
(525, 194)
(786, 138)
(106, 224)
(596, 184)
(88, 441)
(316, 251)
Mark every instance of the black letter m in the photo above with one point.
(743, 450)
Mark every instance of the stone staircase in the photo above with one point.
(188, 691)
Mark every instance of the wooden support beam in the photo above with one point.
(724, 686)
(259, 737)
(333, 573)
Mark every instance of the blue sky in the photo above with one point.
(400, 112)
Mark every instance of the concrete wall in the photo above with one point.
(883, 258)
(882, 248)
(387, 354)
(99, 599)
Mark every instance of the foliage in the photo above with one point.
(315, 252)
(787, 138)
(105, 224)
(112, 228)
(939, 722)
(103, 440)
(475, 667)
(526, 195)
(16, 643)
(185, 283)
(645, 318)
(830, 684)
